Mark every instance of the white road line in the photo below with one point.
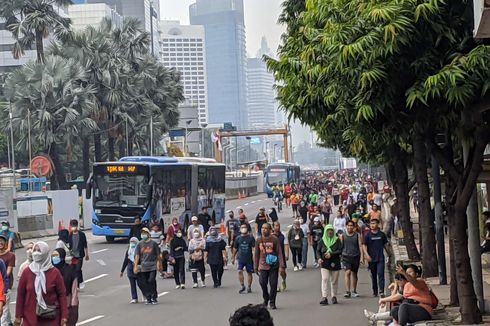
(98, 251)
(259, 200)
(246, 204)
(96, 278)
(90, 320)
(207, 275)
(101, 262)
(13, 302)
(162, 294)
(253, 202)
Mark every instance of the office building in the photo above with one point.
(183, 48)
(226, 58)
(83, 15)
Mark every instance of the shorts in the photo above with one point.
(248, 267)
(351, 263)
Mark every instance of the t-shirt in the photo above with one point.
(234, 226)
(316, 232)
(375, 243)
(76, 244)
(205, 221)
(260, 220)
(9, 260)
(148, 251)
(245, 245)
(191, 228)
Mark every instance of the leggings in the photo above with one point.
(217, 273)
(408, 313)
(198, 266)
(179, 271)
(296, 252)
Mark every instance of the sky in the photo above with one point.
(260, 20)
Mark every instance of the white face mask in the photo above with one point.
(179, 235)
(37, 256)
(243, 231)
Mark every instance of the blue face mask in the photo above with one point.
(56, 260)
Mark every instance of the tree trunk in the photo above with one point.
(111, 145)
(130, 147)
(426, 217)
(97, 148)
(403, 205)
(122, 148)
(40, 47)
(59, 169)
(86, 158)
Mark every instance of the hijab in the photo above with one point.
(66, 270)
(64, 235)
(39, 266)
(329, 241)
(214, 235)
(132, 251)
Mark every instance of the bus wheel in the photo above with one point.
(109, 239)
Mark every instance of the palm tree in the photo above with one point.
(58, 100)
(31, 21)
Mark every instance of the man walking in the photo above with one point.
(232, 228)
(283, 242)
(79, 247)
(243, 249)
(351, 257)
(147, 261)
(374, 244)
(8, 259)
(205, 220)
(268, 260)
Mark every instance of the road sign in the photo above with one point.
(254, 141)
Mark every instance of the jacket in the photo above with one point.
(175, 243)
(333, 263)
(81, 246)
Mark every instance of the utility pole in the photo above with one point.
(441, 248)
(152, 14)
(13, 147)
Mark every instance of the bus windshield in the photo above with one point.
(121, 190)
(277, 176)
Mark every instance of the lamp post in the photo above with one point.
(249, 147)
(153, 13)
(203, 126)
(275, 145)
(266, 152)
(187, 123)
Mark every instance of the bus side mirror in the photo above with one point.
(89, 186)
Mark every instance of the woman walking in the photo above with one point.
(128, 265)
(41, 293)
(216, 255)
(329, 251)
(197, 245)
(295, 239)
(178, 247)
(58, 258)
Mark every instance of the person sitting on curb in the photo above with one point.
(395, 298)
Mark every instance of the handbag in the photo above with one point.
(271, 260)
(49, 312)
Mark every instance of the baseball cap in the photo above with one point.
(145, 230)
(194, 218)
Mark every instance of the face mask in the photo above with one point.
(144, 236)
(37, 256)
(179, 235)
(243, 231)
(196, 235)
(56, 260)
(5, 228)
(231, 215)
(74, 229)
(132, 245)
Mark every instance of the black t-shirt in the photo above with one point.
(215, 250)
(375, 243)
(234, 226)
(205, 221)
(260, 220)
(316, 232)
(245, 245)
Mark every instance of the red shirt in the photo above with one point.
(25, 307)
(9, 260)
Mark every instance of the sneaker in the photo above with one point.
(148, 301)
(202, 284)
(283, 286)
(134, 301)
(273, 306)
(154, 302)
(382, 295)
(375, 295)
(82, 286)
(178, 286)
(347, 294)
(295, 268)
(354, 294)
(242, 289)
(249, 290)
(315, 265)
(334, 300)
(369, 315)
(265, 303)
(182, 286)
(324, 302)
(215, 286)
(300, 267)
(194, 286)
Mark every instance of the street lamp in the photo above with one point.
(203, 126)
(275, 145)
(249, 147)
(187, 123)
(266, 152)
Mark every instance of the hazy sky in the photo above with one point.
(260, 20)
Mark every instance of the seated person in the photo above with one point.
(417, 299)
(394, 299)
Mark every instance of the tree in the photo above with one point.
(31, 21)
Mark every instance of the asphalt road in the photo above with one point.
(105, 299)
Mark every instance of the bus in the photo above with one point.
(280, 173)
(155, 189)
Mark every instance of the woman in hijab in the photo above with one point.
(41, 293)
(197, 245)
(329, 251)
(58, 258)
(216, 255)
(128, 265)
(64, 243)
(28, 260)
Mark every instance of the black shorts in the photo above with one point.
(351, 263)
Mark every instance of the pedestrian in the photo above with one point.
(329, 251)
(128, 266)
(8, 258)
(178, 247)
(79, 248)
(352, 257)
(268, 260)
(283, 241)
(232, 228)
(147, 261)
(3, 290)
(339, 222)
(295, 240)
(243, 251)
(305, 227)
(315, 236)
(64, 243)
(41, 292)
(27, 262)
(273, 215)
(205, 220)
(260, 220)
(251, 315)
(374, 244)
(9, 235)
(244, 220)
(194, 226)
(172, 229)
(295, 199)
(303, 211)
(197, 245)
(136, 229)
(215, 255)
(71, 284)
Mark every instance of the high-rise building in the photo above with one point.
(260, 91)
(83, 15)
(226, 58)
(183, 48)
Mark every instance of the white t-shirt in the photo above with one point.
(339, 224)
(306, 229)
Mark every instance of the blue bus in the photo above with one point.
(280, 173)
(155, 189)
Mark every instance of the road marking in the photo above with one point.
(101, 262)
(98, 251)
(13, 302)
(246, 204)
(96, 278)
(259, 200)
(162, 294)
(207, 275)
(253, 202)
(90, 320)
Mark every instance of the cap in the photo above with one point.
(194, 218)
(145, 230)
(5, 223)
